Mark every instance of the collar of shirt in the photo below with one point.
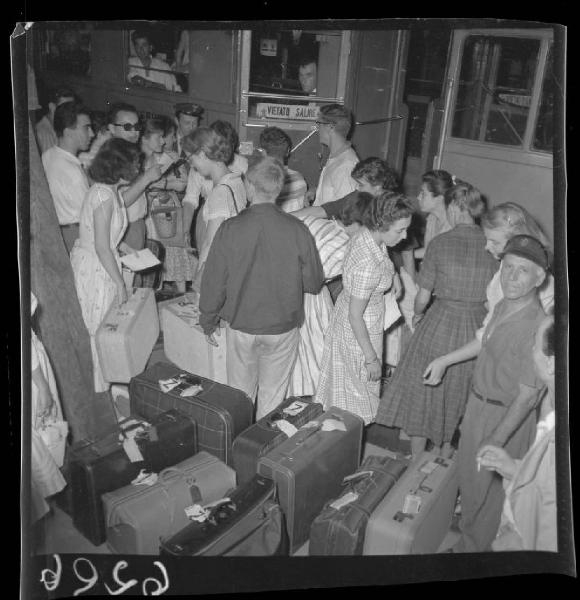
(264, 206)
(68, 156)
(344, 148)
(378, 253)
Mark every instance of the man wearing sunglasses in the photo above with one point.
(123, 122)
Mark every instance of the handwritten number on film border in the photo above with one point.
(51, 579)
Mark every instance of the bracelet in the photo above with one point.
(370, 362)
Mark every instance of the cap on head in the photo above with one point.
(528, 247)
(188, 108)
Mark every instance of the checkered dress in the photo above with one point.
(456, 269)
(367, 273)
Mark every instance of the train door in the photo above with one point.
(497, 123)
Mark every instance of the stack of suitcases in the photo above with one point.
(191, 473)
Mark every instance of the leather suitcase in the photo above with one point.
(185, 343)
(309, 467)
(339, 529)
(251, 523)
(127, 335)
(138, 516)
(414, 517)
(264, 435)
(151, 278)
(103, 466)
(220, 412)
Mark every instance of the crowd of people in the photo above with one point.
(305, 282)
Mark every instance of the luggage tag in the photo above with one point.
(429, 467)
(196, 513)
(132, 450)
(192, 390)
(295, 408)
(145, 478)
(355, 477)
(333, 425)
(285, 427)
(348, 498)
(412, 504)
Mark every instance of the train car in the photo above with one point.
(477, 102)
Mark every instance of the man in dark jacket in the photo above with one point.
(259, 266)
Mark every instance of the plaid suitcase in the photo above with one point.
(263, 436)
(340, 527)
(220, 412)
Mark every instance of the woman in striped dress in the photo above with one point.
(351, 365)
(456, 269)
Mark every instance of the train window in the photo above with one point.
(158, 57)
(495, 89)
(67, 50)
(544, 131)
(291, 71)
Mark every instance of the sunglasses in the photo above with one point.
(129, 126)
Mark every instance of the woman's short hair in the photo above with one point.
(214, 145)
(154, 125)
(516, 220)
(228, 131)
(467, 198)
(66, 115)
(115, 160)
(386, 209)
(377, 172)
(438, 181)
(354, 208)
(267, 176)
(275, 142)
(339, 116)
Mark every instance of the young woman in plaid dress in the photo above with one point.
(353, 345)
(456, 270)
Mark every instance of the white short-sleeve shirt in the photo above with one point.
(335, 180)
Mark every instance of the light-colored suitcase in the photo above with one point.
(137, 516)
(185, 344)
(415, 515)
(127, 335)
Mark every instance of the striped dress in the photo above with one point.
(331, 242)
(457, 269)
(291, 197)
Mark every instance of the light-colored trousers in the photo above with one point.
(261, 365)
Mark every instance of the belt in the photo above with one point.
(488, 400)
(69, 225)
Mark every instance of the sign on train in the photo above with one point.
(286, 111)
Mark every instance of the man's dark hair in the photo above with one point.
(114, 161)
(63, 92)
(339, 115)
(307, 60)
(275, 142)
(354, 209)
(140, 33)
(66, 115)
(377, 172)
(118, 107)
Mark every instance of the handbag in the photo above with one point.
(167, 216)
(54, 434)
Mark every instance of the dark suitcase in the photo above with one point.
(340, 527)
(220, 412)
(309, 467)
(138, 516)
(151, 278)
(251, 523)
(103, 466)
(264, 435)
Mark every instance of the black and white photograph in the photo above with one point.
(294, 296)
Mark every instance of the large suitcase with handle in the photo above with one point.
(265, 435)
(138, 516)
(248, 523)
(220, 412)
(185, 343)
(340, 527)
(126, 337)
(309, 467)
(414, 517)
(103, 465)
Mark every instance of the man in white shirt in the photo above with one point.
(67, 180)
(44, 129)
(146, 70)
(334, 123)
(187, 117)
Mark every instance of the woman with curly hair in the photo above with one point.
(210, 153)
(353, 346)
(95, 256)
(456, 270)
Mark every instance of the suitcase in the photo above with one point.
(220, 412)
(185, 343)
(250, 524)
(340, 527)
(264, 435)
(414, 517)
(151, 278)
(103, 466)
(309, 467)
(126, 336)
(137, 516)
